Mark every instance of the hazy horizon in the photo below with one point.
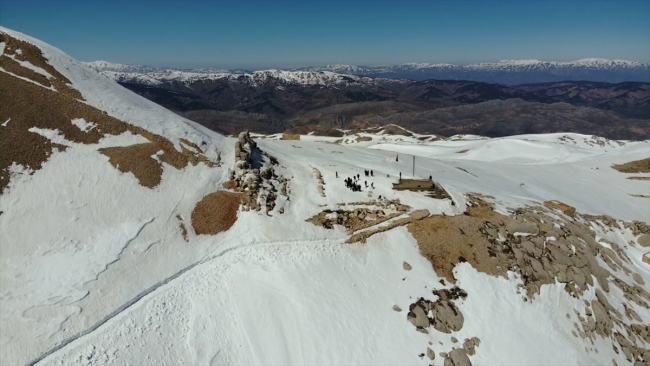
(289, 34)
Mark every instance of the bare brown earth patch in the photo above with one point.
(464, 170)
(25, 105)
(637, 166)
(189, 143)
(639, 178)
(430, 188)
(33, 55)
(215, 213)
(138, 160)
(563, 207)
(364, 138)
(182, 227)
(288, 136)
(448, 240)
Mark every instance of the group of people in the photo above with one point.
(352, 183)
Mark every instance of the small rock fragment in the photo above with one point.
(430, 353)
(454, 340)
(397, 308)
(407, 266)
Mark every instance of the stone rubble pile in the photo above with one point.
(360, 217)
(255, 177)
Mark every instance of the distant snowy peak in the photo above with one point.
(487, 66)
(507, 71)
(502, 72)
(154, 76)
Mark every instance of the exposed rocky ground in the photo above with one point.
(542, 245)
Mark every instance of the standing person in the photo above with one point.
(372, 174)
(400, 175)
(337, 174)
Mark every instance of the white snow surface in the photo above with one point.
(28, 65)
(95, 269)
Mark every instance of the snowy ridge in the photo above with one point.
(502, 65)
(155, 76)
(595, 69)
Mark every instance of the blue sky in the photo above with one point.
(267, 33)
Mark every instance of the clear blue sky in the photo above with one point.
(267, 33)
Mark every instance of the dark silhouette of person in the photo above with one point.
(400, 175)
(372, 173)
(337, 174)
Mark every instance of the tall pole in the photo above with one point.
(413, 166)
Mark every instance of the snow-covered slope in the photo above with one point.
(98, 268)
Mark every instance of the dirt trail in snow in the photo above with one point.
(157, 286)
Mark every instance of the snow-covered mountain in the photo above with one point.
(511, 72)
(130, 235)
(146, 75)
(507, 71)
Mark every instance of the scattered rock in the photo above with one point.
(470, 345)
(407, 266)
(446, 317)
(457, 357)
(644, 240)
(418, 317)
(397, 308)
(454, 340)
(638, 279)
(430, 354)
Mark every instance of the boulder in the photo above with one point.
(430, 353)
(407, 266)
(644, 240)
(418, 317)
(457, 357)
(397, 308)
(447, 317)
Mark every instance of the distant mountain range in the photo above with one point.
(510, 72)
(273, 101)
